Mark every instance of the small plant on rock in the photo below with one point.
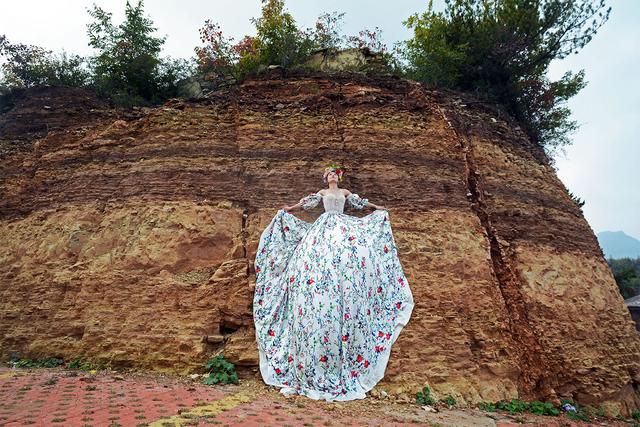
(221, 371)
(424, 397)
(50, 362)
(575, 411)
(449, 400)
(487, 406)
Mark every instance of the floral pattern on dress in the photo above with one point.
(331, 298)
(357, 202)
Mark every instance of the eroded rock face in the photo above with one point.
(132, 242)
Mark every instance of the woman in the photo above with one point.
(331, 297)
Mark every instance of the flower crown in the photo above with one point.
(339, 170)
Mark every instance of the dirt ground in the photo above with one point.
(63, 397)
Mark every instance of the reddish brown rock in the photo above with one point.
(132, 242)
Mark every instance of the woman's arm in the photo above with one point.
(307, 202)
(290, 208)
(347, 193)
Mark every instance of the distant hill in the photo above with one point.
(618, 244)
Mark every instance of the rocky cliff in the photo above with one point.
(130, 239)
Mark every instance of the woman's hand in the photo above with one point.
(377, 206)
(286, 208)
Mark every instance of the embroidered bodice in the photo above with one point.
(333, 202)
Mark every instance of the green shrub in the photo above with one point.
(449, 400)
(77, 363)
(221, 371)
(424, 397)
(51, 362)
(519, 406)
(487, 406)
(29, 66)
(502, 50)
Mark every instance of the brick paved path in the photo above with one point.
(60, 397)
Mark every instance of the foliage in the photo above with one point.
(424, 397)
(222, 57)
(487, 406)
(327, 34)
(578, 201)
(281, 42)
(518, 406)
(78, 363)
(581, 413)
(221, 371)
(626, 272)
(449, 400)
(371, 40)
(501, 50)
(29, 66)
(128, 66)
(50, 362)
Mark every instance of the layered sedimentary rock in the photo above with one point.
(131, 239)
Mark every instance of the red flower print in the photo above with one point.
(344, 337)
(380, 333)
(310, 282)
(362, 264)
(299, 365)
(346, 316)
(291, 279)
(285, 383)
(379, 348)
(386, 249)
(379, 289)
(388, 335)
(260, 302)
(300, 311)
(257, 269)
(278, 371)
(398, 304)
(306, 267)
(286, 228)
(354, 374)
(400, 280)
(326, 339)
(368, 311)
(290, 359)
(271, 332)
(323, 359)
(366, 363)
(351, 238)
(359, 358)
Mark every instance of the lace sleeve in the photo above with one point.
(310, 201)
(356, 201)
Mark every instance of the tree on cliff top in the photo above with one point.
(501, 50)
(128, 66)
(278, 41)
(29, 66)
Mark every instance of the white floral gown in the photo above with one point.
(331, 299)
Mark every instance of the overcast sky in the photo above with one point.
(601, 167)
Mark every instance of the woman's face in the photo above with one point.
(332, 176)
